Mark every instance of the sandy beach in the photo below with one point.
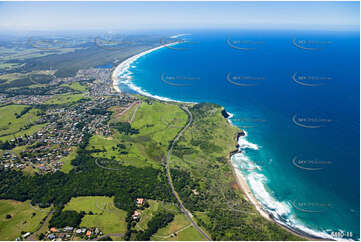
(245, 188)
(124, 65)
(242, 184)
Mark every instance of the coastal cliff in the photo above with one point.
(207, 184)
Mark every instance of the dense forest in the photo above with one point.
(158, 221)
(198, 193)
(124, 127)
(61, 219)
(204, 183)
(87, 179)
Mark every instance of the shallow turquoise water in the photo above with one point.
(299, 107)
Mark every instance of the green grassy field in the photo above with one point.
(24, 217)
(26, 53)
(125, 117)
(76, 86)
(65, 98)
(189, 233)
(180, 222)
(204, 179)
(167, 119)
(8, 65)
(12, 76)
(10, 125)
(32, 79)
(178, 229)
(18, 75)
(157, 123)
(67, 161)
(105, 215)
(146, 214)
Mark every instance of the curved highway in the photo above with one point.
(182, 208)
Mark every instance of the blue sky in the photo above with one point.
(177, 15)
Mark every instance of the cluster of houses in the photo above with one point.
(25, 99)
(65, 127)
(140, 204)
(100, 88)
(11, 160)
(69, 233)
(103, 85)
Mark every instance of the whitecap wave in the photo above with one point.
(230, 115)
(178, 35)
(245, 144)
(122, 75)
(281, 211)
(257, 183)
(244, 163)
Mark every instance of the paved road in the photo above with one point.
(176, 232)
(183, 209)
(126, 109)
(32, 236)
(135, 111)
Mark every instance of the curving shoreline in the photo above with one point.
(243, 185)
(241, 181)
(304, 232)
(124, 65)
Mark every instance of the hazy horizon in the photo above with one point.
(142, 16)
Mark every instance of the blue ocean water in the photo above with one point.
(297, 95)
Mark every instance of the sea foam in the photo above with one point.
(124, 75)
(281, 211)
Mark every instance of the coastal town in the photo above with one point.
(114, 122)
(66, 234)
(70, 233)
(66, 112)
(63, 126)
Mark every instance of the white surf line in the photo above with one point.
(297, 229)
(124, 65)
